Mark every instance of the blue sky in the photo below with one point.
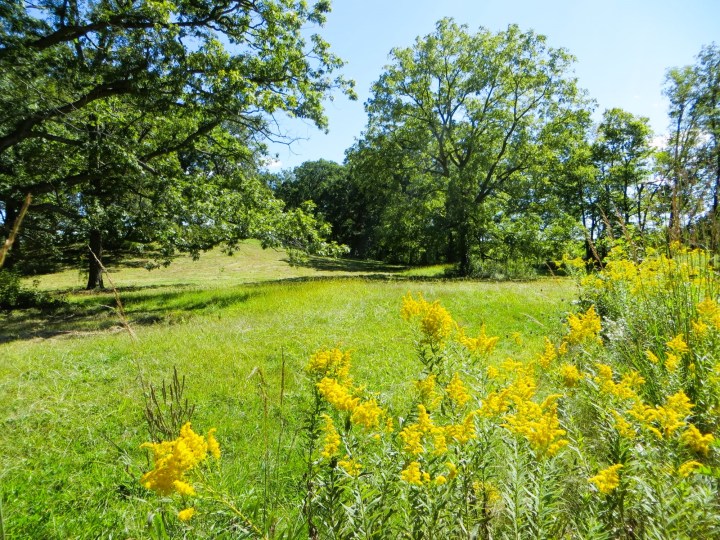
(623, 49)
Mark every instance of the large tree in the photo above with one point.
(476, 116)
(145, 116)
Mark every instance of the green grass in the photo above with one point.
(71, 400)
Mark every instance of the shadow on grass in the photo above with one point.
(329, 264)
(93, 313)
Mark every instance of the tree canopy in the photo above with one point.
(139, 120)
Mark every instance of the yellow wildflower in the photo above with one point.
(482, 344)
(492, 372)
(651, 357)
(212, 444)
(329, 363)
(688, 468)
(696, 440)
(539, 424)
(436, 323)
(337, 394)
(583, 326)
(183, 488)
(669, 417)
(186, 515)
(678, 345)
(462, 433)
(457, 392)
(331, 441)
(570, 375)
(563, 348)
(412, 474)
(452, 468)
(350, 466)
(440, 480)
(623, 427)
(607, 480)
(699, 328)
(367, 414)
(172, 460)
(548, 355)
(672, 361)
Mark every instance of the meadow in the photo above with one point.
(240, 330)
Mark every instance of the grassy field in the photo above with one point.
(71, 397)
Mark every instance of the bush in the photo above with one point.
(14, 296)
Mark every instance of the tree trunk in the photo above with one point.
(95, 272)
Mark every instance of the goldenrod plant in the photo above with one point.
(608, 431)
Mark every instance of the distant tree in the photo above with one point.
(472, 118)
(137, 121)
(623, 187)
(690, 162)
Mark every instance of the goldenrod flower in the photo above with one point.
(337, 394)
(440, 480)
(623, 427)
(678, 345)
(172, 460)
(435, 321)
(367, 414)
(696, 440)
(332, 363)
(186, 515)
(607, 480)
(583, 326)
(651, 357)
(452, 468)
(212, 444)
(550, 354)
(350, 466)
(331, 441)
(483, 344)
(688, 468)
(457, 392)
(570, 375)
(412, 474)
(669, 417)
(672, 361)
(539, 424)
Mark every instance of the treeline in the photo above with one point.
(141, 126)
(480, 150)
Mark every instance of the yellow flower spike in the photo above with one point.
(688, 468)
(570, 375)
(550, 354)
(678, 345)
(412, 474)
(332, 363)
(212, 444)
(583, 326)
(331, 440)
(651, 357)
(186, 515)
(698, 442)
(623, 427)
(367, 414)
(172, 460)
(483, 344)
(338, 395)
(699, 328)
(452, 468)
(607, 480)
(457, 392)
(492, 372)
(672, 361)
(440, 480)
(350, 466)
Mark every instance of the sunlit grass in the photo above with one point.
(71, 407)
